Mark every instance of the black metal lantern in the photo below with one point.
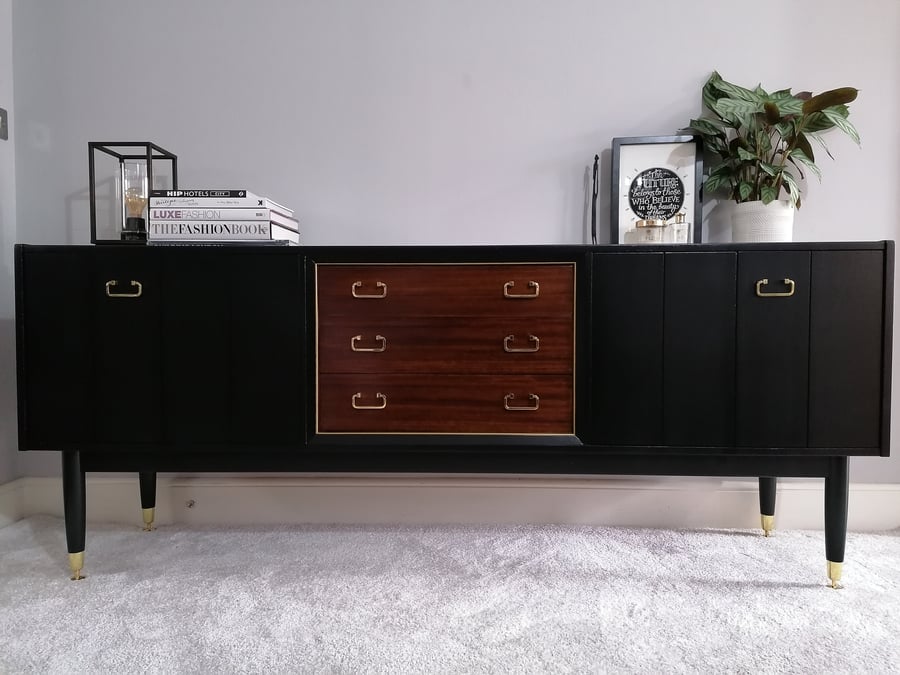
(121, 177)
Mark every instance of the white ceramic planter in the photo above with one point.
(755, 221)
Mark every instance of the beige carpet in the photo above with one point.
(527, 599)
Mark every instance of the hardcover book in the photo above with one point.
(213, 199)
(216, 229)
(206, 213)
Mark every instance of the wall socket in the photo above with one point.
(4, 126)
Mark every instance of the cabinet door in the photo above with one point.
(268, 350)
(125, 296)
(773, 348)
(233, 342)
(54, 347)
(627, 349)
(699, 348)
(846, 351)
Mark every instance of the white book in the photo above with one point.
(279, 232)
(286, 221)
(172, 213)
(215, 230)
(214, 199)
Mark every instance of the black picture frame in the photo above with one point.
(673, 164)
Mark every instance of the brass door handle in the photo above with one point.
(378, 338)
(357, 406)
(508, 340)
(785, 294)
(134, 294)
(527, 296)
(531, 397)
(378, 284)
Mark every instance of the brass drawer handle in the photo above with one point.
(527, 296)
(380, 406)
(378, 284)
(508, 340)
(134, 284)
(378, 338)
(765, 282)
(531, 397)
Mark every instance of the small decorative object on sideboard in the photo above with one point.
(757, 139)
(655, 195)
(121, 176)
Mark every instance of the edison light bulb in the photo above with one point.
(134, 197)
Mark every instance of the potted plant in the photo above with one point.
(756, 141)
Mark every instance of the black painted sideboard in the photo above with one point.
(759, 360)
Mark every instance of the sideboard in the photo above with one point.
(759, 360)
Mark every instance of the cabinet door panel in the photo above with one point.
(846, 316)
(699, 348)
(627, 349)
(268, 350)
(54, 351)
(128, 373)
(196, 343)
(773, 349)
(232, 331)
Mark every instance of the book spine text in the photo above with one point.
(199, 230)
(202, 213)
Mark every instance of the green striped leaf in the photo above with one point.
(740, 93)
(769, 169)
(746, 155)
(745, 190)
(738, 107)
(805, 147)
(818, 139)
(707, 127)
(768, 193)
(841, 123)
(799, 157)
(718, 178)
(793, 188)
(789, 106)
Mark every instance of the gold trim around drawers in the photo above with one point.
(568, 263)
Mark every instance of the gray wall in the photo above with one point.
(7, 239)
(418, 121)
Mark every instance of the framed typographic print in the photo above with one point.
(656, 190)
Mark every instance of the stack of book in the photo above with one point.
(219, 217)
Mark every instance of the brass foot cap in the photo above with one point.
(76, 563)
(834, 573)
(768, 523)
(148, 519)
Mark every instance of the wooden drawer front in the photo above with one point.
(445, 404)
(446, 345)
(514, 290)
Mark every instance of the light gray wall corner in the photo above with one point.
(8, 469)
(400, 122)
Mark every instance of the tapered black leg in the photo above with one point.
(837, 484)
(74, 509)
(767, 502)
(148, 497)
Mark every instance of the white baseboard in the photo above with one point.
(627, 501)
(11, 502)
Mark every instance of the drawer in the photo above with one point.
(446, 345)
(470, 404)
(512, 290)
